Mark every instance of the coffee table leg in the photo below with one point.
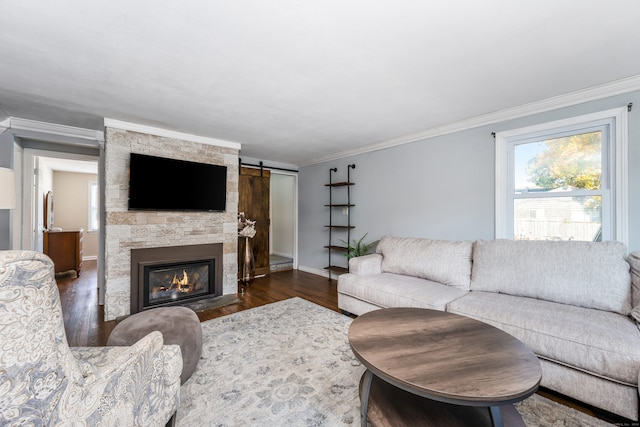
(496, 416)
(364, 396)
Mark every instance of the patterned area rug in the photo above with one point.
(289, 364)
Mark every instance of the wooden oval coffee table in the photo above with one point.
(427, 367)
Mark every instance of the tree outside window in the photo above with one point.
(564, 180)
(559, 165)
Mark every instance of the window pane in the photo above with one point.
(558, 218)
(568, 163)
(94, 219)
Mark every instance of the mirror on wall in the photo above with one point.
(48, 210)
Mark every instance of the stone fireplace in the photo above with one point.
(126, 231)
(175, 275)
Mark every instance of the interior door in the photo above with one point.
(253, 200)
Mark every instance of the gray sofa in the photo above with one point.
(575, 304)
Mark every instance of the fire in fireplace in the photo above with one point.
(175, 275)
(177, 282)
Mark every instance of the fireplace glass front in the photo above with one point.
(169, 283)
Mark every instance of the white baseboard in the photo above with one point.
(318, 271)
(90, 258)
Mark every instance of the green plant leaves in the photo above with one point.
(358, 247)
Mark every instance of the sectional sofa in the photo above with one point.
(575, 304)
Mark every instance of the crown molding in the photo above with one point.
(594, 93)
(135, 127)
(16, 123)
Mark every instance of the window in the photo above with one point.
(94, 205)
(563, 180)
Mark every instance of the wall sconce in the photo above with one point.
(7, 189)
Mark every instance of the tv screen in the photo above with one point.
(158, 183)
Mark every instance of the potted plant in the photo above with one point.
(358, 248)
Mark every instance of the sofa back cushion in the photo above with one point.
(584, 274)
(447, 262)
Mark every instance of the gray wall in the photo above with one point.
(440, 188)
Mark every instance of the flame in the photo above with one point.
(181, 285)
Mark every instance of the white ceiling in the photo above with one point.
(296, 81)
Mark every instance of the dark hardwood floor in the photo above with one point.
(84, 324)
(83, 317)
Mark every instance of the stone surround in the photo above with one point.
(126, 230)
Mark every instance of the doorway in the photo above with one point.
(283, 236)
(71, 180)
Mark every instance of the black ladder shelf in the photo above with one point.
(340, 229)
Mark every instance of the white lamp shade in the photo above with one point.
(7, 189)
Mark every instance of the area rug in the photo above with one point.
(289, 364)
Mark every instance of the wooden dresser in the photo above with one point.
(65, 249)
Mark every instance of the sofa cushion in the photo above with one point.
(366, 265)
(585, 274)
(394, 290)
(600, 342)
(447, 262)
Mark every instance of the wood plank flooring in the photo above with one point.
(84, 324)
(83, 316)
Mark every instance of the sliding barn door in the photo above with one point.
(253, 200)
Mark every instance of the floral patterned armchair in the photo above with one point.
(45, 382)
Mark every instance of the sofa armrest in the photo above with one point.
(366, 265)
(100, 364)
(634, 262)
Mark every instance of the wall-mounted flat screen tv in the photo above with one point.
(158, 183)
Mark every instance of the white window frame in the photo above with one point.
(615, 170)
(94, 207)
